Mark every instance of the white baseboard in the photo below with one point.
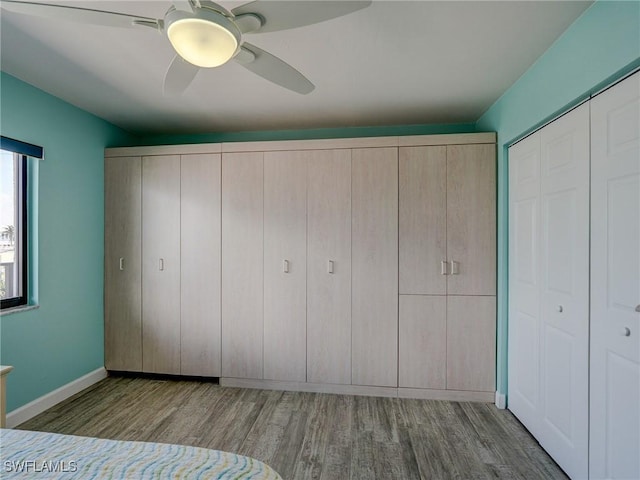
(501, 400)
(39, 405)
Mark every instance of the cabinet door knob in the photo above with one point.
(559, 308)
(638, 308)
(444, 270)
(121, 263)
(625, 331)
(455, 267)
(330, 266)
(285, 266)
(161, 264)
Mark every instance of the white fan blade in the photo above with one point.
(184, 5)
(273, 69)
(75, 14)
(282, 15)
(179, 76)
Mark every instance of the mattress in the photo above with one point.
(40, 455)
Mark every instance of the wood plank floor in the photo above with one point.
(308, 435)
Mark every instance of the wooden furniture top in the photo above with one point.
(322, 144)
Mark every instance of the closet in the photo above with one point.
(574, 283)
(285, 264)
(242, 264)
(122, 264)
(307, 321)
(447, 270)
(329, 266)
(162, 264)
(374, 263)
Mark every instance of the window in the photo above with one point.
(13, 221)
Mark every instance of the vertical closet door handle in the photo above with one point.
(455, 267)
(444, 270)
(285, 266)
(161, 264)
(330, 266)
(121, 263)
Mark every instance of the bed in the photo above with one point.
(40, 455)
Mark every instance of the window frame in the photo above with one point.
(22, 235)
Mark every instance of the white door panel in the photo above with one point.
(564, 296)
(524, 289)
(549, 287)
(615, 283)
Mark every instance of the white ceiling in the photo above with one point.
(395, 62)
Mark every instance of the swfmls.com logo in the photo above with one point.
(46, 466)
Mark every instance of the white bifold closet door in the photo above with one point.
(549, 292)
(615, 282)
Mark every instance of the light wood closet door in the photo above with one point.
(422, 220)
(471, 343)
(242, 265)
(200, 265)
(161, 264)
(471, 219)
(422, 341)
(375, 267)
(123, 263)
(329, 289)
(285, 266)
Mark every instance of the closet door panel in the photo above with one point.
(375, 266)
(471, 343)
(524, 280)
(200, 265)
(285, 266)
(564, 297)
(161, 264)
(123, 263)
(615, 282)
(329, 291)
(422, 220)
(471, 219)
(242, 265)
(422, 341)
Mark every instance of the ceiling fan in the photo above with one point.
(206, 35)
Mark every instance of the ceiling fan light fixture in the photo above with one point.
(205, 40)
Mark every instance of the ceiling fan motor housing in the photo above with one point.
(205, 37)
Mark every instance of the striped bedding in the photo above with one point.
(38, 455)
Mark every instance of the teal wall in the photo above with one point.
(62, 339)
(601, 45)
(311, 134)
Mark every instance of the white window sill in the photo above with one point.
(21, 308)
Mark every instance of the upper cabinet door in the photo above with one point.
(122, 264)
(422, 220)
(242, 265)
(285, 266)
(161, 264)
(200, 265)
(471, 219)
(329, 267)
(375, 266)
